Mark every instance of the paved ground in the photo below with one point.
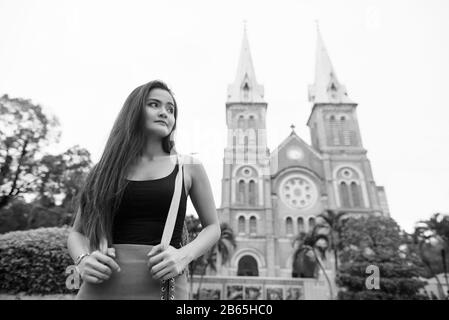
(37, 297)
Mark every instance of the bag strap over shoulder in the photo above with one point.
(173, 211)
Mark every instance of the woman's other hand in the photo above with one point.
(98, 267)
(168, 263)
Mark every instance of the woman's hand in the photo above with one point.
(168, 263)
(97, 267)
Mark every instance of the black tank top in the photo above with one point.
(143, 211)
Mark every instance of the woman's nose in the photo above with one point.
(163, 113)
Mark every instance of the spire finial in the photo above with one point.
(245, 76)
(325, 77)
(293, 127)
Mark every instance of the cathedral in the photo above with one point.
(269, 197)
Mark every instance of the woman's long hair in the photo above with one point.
(105, 183)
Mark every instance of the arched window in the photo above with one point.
(251, 122)
(344, 194)
(252, 192)
(241, 226)
(247, 266)
(241, 122)
(252, 225)
(300, 224)
(246, 91)
(350, 183)
(311, 223)
(242, 193)
(335, 130)
(355, 193)
(289, 225)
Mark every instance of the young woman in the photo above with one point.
(116, 236)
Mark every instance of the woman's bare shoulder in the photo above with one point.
(192, 164)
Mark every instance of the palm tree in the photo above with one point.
(434, 230)
(303, 266)
(192, 227)
(220, 253)
(421, 238)
(438, 224)
(333, 220)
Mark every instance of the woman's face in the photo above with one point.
(159, 112)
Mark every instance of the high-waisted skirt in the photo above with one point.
(134, 281)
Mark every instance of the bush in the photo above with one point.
(14, 216)
(21, 215)
(34, 261)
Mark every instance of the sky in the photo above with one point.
(80, 60)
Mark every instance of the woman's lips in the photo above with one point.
(161, 122)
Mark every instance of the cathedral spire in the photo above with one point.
(245, 87)
(327, 88)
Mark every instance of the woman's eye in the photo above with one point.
(152, 104)
(171, 109)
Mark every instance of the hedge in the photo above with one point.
(34, 261)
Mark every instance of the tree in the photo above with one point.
(14, 216)
(194, 227)
(432, 240)
(307, 257)
(377, 241)
(218, 254)
(60, 177)
(333, 219)
(24, 131)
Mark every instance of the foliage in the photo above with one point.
(194, 228)
(60, 177)
(430, 241)
(21, 215)
(334, 220)
(24, 131)
(220, 252)
(34, 261)
(378, 241)
(304, 263)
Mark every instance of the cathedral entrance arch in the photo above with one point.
(247, 266)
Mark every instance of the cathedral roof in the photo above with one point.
(245, 87)
(294, 136)
(327, 88)
(295, 152)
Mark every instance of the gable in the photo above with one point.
(295, 152)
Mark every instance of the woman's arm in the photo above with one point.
(77, 243)
(171, 262)
(203, 201)
(96, 267)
